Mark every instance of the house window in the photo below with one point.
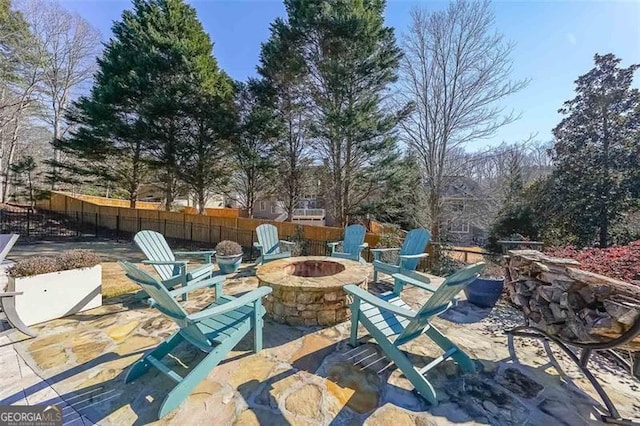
(457, 206)
(274, 209)
(263, 206)
(460, 226)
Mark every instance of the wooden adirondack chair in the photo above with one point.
(387, 315)
(409, 256)
(215, 330)
(269, 245)
(7, 299)
(171, 271)
(352, 244)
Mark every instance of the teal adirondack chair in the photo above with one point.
(409, 256)
(172, 272)
(214, 330)
(269, 245)
(386, 316)
(352, 244)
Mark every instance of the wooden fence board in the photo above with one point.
(228, 225)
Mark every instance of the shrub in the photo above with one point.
(620, 262)
(76, 259)
(67, 260)
(228, 248)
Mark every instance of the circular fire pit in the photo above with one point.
(308, 290)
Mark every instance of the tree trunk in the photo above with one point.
(201, 202)
(7, 173)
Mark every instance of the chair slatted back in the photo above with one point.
(6, 244)
(414, 243)
(353, 239)
(164, 302)
(155, 247)
(439, 301)
(268, 238)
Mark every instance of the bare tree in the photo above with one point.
(70, 45)
(455, 71)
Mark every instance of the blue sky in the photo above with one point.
(555, 43)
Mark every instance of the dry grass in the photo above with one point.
(116, 283)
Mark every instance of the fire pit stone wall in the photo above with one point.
(308, 290)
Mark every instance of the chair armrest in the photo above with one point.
(332, 246)
(213, 281)
(207, 254)
(258, 246)
(377, 252)
(359, 293)
(165, 262)
(11, 293)
(364, 245)
(291, 243)
(413, 256)
(405, 257)
(251, 297)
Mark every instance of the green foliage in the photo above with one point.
(156, 80)
(596, 179)
(284, 75)
(27, 180)
(14, 39)
(396, 199)
(350, 59)
(253, 143)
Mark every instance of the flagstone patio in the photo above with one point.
(305, 375)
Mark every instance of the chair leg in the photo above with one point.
(375, 275)
(398, 286)
(419, 382)
(355, 317)
(163, 349)
(463, 360)
(258, 324)
(180, 392)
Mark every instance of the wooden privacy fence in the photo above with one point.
(182, 226)
(57, 200)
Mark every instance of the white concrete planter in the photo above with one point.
(57, 294)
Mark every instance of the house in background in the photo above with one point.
(467, 212)
(155, 193)
(307, 212)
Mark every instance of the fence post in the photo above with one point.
(28, 222)
(220, 233)
(118, 226)
(251, 248)
(139, 224)
(191, 231)
(165, 227)
(97, 218)
(78, 223)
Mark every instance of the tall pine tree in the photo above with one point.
(350, 59)
(596, 151)
(147, 97)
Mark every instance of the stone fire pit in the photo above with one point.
(308, 290)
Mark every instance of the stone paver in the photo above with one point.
(304, 375)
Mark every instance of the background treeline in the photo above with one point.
(373, 124)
